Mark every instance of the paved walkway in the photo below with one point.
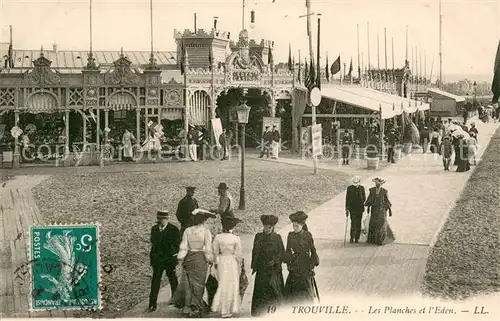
(422, 194)
(18, 211)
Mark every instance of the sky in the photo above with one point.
(471, 28)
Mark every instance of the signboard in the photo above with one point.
(315, 96)
(305, 140)
(244, 77)
(316, 139)
(216, 129)
(270, 121)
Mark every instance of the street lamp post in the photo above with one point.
(243, 112)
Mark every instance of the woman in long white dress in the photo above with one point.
(128, 151)
(228, 259)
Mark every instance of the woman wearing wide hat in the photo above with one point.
(195, 255)
(378, 204)
(267, 256)
(301, 258)
(228, 256)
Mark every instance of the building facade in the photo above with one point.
(169, 85)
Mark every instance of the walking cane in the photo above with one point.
(345, 233)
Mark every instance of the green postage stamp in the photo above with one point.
(65, 267)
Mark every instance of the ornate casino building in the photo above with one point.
(78, 100)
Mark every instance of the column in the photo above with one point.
(84, 131)
(66, 125)
(138, 126)
(273, 104)
(98, 128)
(382, 136)
(16, 156)
(106, 123)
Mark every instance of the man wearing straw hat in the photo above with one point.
(165, 241)
(355, 206)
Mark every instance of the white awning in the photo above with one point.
(373, 100)
(458, 99)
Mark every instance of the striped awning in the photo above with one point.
(42, 103)
(122, 101)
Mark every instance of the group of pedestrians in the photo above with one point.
(212, 271)
(453, 141)
(378, 208)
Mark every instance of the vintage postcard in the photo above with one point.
(241, 159)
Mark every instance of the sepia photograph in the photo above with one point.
(272, 159)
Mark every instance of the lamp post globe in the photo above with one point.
(243, 112)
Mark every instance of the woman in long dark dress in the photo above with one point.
(463, 155)
(195, 255)
(267, 255)
(301, 258)
(379, 231)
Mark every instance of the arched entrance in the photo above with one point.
(44, 128)
(258, 100)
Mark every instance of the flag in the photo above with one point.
(349, 75)
(270, 56)
(335, 68)
(290, 66)
(306, 70)
(327, 72)
(311, 78)
(495, 86)
(210, 58)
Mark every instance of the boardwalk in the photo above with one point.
(18, 211)
(422, 194)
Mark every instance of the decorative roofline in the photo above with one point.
(202, 33)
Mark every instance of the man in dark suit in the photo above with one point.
(165, 241)
(354, 205)
(185, 209)
(347, 142)
(391, 144)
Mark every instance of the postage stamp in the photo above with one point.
(65, 269)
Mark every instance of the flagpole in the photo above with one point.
(243, 16)
(362, 63)
(420, 63)
(425, 67)
(440, 46)
(90, 18)
(368, 34)
(385, 45)
(392, 41)
(318, 67)
(406, 53)
(309, 33)
(195, 23)
(385, 53)
(359, 66)
(378, 51)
